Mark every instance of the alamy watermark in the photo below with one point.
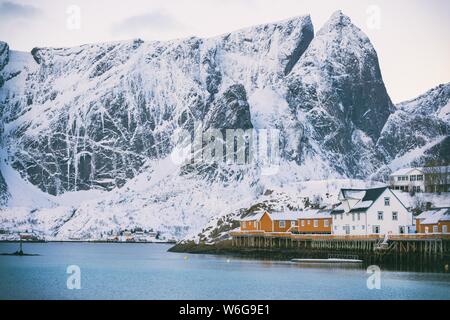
(74, 278)
(228, 146)
(73, 21)
(374, 280)
(373, 17)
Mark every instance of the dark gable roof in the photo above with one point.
(373, 194)
(370, 195)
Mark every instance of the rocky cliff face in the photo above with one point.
(419, 129)
(338, 89)
(103, 118)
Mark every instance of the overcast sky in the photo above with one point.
(410, 36)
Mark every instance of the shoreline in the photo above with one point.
(410, 263)
(85, 241)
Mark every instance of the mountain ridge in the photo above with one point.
(101, 119)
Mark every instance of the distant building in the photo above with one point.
(315, 222)
(422, 179)
(434, 221)
(370, 211)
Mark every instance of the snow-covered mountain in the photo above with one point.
(88, 133)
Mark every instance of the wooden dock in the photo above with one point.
(422, 244)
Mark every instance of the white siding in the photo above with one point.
(364, 225)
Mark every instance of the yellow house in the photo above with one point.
(434, 221)
(285, 221)
(315, 222)
(257, 222)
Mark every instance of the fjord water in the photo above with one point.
(148, 271)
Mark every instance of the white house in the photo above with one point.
(408, 179)
(421, 179)
(370, 211)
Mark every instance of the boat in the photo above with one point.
(328, 261)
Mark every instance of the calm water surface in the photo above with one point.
(148, 271)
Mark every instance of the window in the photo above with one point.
(303, 223)
(376, 229)
(308, 222)
(353, 227)
(435, 229)
(293, 222)
(359, 216)
(420, 177)
(353, 217)
(399, 178)
(413, 178)
(380, 215)
(394, 216)
(326, 223)
(255, 224)
(282, 224)
(387, 201)
(444, 229)
(342, 216)
(418, 189)
(316, 223)
(363, 227)
(335, 227)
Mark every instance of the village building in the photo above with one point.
(434, 221)
(270, 222)
(314, 221)
(260, 221)
(421, 179)
(370, 211)
(285, 221)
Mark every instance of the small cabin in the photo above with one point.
(434, 221)
(260, 221)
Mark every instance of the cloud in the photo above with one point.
(153, 21)
(9, 9)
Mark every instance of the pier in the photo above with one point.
(410, 244)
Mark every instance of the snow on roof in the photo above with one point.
(353, 193)
(315, 214)
(285, 215)
(403, 171)
(434, 216)
(257, 216)
(366, 198)
(438, 169)
(363, 204)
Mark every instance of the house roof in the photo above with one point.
(254, 217)
(366, 197)
(315, 214)
(434, 216)
(285, 215)
(437, 169)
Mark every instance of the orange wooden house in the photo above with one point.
(285, 221)
(315, 222)
(257, 222)
(270, 222)
(434, 221)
